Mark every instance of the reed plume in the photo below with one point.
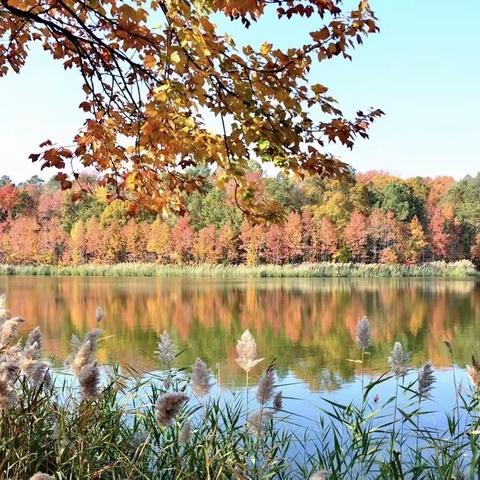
(75, 343)
(3, 308)
(86, 351)
(266, 385)
(89, 379)
(9, 371)
(278, 401)
(185, 433)
(33, 344)
(473, 371)
(166, 350)
(168, 406)
(426, 379)
(200, 378)
(9, 332)
(8, 374)
(319, 475)
(259, 420)
(364, 334)
(40, 374)
(399, 360)
(99, 314)
(247, 352)
(42, 476)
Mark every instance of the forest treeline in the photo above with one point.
(376, 217)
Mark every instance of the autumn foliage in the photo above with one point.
(155, 74)
(326, 221)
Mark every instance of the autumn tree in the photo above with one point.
(115, 213)
(135, 235)
(385, 232)
(114, 244)
(416, 242)
(21, 241)
(150, 90)
(439, 237)
(253, 242)
(292, 229)
(356, 236)
(77, 243)
(24, 204)
(52, 242)
(227, 244)
(94, 241)
(205, 245)
(50, 204)
(475, 251)
(275, 244)
(335, 203)
(325, 239)
(8, 196)
(182, 237)
(159, 240)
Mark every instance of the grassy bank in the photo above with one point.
(463, 268)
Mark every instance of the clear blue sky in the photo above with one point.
(423, 70)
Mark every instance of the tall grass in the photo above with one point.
(463, 268)
(104, 423)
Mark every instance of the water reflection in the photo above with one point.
(308, 325)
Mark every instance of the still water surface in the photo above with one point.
(307, 325)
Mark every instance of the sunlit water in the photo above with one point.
(307, 325)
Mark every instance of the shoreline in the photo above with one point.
(458, 269)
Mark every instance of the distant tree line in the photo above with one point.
(375, 217)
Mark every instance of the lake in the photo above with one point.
(307, 325)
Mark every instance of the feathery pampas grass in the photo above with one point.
(42, 476)
(34, 343)
(278, 401)
(266, 386)
(3, 308)
(168, 407)
(399, 360)
(247, 352)
(473, 371)
(8, 396)
(99, 314)
(259, 420)
(364, 334)
(166, 350)
(200, 378)
(426, 379)
(185, 432)
(89, 379)
(9, 332)
(319, 475)
(84, 352)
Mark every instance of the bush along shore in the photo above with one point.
(458, 269)
(103, 422)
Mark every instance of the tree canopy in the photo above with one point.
(154, 73)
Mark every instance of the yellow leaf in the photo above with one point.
(175, 57)
(265, 48)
